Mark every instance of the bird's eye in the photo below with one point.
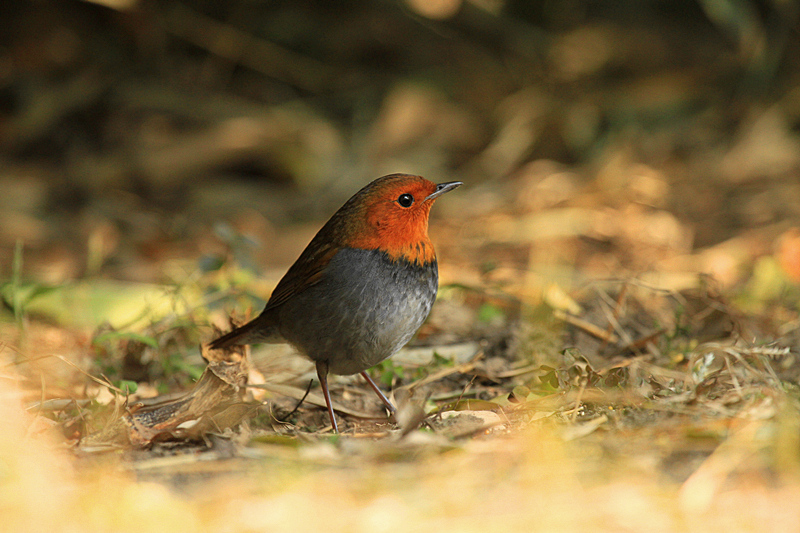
(405, 200)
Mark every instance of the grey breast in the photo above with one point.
(362, 311)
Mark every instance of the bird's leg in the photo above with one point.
(380, 394)
(322, 374)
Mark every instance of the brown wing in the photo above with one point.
(308, 269)
(304, 273)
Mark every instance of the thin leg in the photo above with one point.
(380, 394)
(296, 407)
(322, 373)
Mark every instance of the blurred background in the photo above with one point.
(595, 138)
(619, 272)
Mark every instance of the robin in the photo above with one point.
(362, 287)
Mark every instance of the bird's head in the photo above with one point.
(391, 214)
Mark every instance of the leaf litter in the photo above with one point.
(604, 388)
(634, 361)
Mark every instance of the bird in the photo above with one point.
(362, 287)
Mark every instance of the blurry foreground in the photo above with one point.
(531, 480)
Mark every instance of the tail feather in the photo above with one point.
(254, 331)
(232, 338)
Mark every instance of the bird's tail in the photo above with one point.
(257, 330)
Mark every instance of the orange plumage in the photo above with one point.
(401, 232)
(363, 285)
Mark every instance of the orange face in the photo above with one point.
(395, 217)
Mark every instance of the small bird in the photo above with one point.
(361, 288)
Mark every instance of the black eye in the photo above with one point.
(405, 200)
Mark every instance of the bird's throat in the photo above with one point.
(418, 253)
(397, 241)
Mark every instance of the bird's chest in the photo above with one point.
(364, 309)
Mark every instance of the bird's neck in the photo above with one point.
(420, 252)
(403, 238)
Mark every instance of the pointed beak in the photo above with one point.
(443, 188)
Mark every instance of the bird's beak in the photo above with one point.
(443, 188)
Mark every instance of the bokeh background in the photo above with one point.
(162, 163)
(624, 136)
